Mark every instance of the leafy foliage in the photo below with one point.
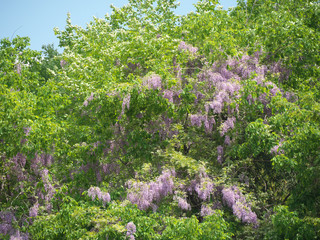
(151, 125)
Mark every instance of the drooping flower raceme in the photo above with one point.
(227, 125)
(33, 212)
(206, 210)
(204, 188)
(144, 194)
(188, 47)
(220, 154)
(95, 192)
(131, 229)
(234, 199)
(183, 204)
(153, 82)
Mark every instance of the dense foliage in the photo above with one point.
(151, 125)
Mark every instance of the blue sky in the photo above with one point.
(37, 18)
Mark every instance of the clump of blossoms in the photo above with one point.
(131, 229)
(183, 204)
(197, 120)
(7, 218)
(153, 82)
(187, 47)
(144, 194)
(234, 199)
(206, 210)
(227, 125)
(33, 212)
(220, 154)
(95, 192)
(125, 104)
(204, 188)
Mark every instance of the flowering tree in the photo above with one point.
(157, 126)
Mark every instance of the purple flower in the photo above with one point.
(196, 120)
(233, 198)
(7, 216)
(126, 103)
(33, 212)
(208, 124)
(250, 99)
(105, 198)
(19, 236)
(131, 228)
(27, 130)
(275, 150)
(227, 140)
(216, 106)
(184, 46)
(244, 213)
(228, 196)
(168, 94)
(206, 210)
(263, 99)
(90, 98)
(215, 78)
(46, 160)
(5, 228)
(182, 203)
(220, 154)
(153, 82)
(143, 194)
(93, 192)
(228, 124)
(204, 188)
(220, 150)
(62, 63)
(222, 97)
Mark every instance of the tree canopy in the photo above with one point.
(152, 125)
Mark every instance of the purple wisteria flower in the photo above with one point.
(216, 106)
(27, 130)
(228, 124)
(208, 124)
(5, 228)
(7, 219)
(95, 192)
(220, 154)
(204, 188)
(19, 236)
(62, 63)
(105, 198)
(125, 104)
(234, 199)
(196, 120)
(131, 228)
(153, 82)
(227, 140)
(185, 46)
(33, 212)
(168, 94)
(143, 194)
(183, 204)
(91, 97)
(206, 210)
